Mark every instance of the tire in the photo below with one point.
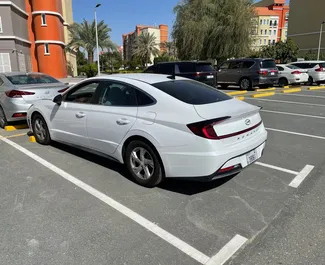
(245, 84)
(40, 130)
(3, 119)
(318, 83)
(136, 155)
(283, 82)
(310, 81)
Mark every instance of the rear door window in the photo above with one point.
(235, 65)
(311, 65)
(292, 66)
(280, 68)
(191, 92)
(268, 64)
(248, 64)
(204, 67)
(224, 66)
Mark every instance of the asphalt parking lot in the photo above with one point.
(60, 205)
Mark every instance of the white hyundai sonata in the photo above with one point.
(159, 126)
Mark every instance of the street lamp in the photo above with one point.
(320, 39)
(97, 48)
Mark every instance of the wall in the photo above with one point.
(304, 24)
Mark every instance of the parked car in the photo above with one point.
(18, 90)
(290, 74)
(159, 127)
(316, 71)
(196, 70)
(248, 73)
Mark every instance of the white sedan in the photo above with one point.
(290, 74)
(158, 126)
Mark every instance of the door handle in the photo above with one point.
(122, 121)
(80, 114)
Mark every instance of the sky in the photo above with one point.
(123, 15)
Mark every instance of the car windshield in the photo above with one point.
(31, 79)
(268, 64)
(292, 66)
(191, 92)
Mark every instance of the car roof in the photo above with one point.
(21, 73)
(251, 59)
(143, 77)
(310, 62)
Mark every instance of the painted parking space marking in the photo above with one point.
(293, 114)
(296, 133)
(15, 135)
(228, 250)
(289, 102)
(220, 258)
(301, 95)
(301, 176)
(278, 168)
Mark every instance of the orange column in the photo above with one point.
(53, 62)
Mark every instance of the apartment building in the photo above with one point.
(32, 36)
(160, 32)
(305, 24)
(271, 22)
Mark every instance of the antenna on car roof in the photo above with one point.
(173, 76)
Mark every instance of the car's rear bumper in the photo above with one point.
(267, 81)
(15, 106)
(206, 165)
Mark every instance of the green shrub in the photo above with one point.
(89, 69)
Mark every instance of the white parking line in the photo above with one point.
(288, 102)
(277, 168)
(300, 95)
(295, 133)
(301, 176)
(228, 250)
(293, 114)
(163, 234)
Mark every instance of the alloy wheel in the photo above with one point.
(40, 129)
(2, 118)
(245, 84)
(142, 163)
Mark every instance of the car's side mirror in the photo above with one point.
(58, 99)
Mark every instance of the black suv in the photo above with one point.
(200, 71)
(248, 73)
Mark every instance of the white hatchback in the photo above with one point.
(158, 126)
(290, 74)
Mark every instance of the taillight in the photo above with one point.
(321, 69)
(228, 169)
(19, 115)
(205, 128)
(263, 73)
(296, 73)
(197, 74)
(63, 90)
(18, 93)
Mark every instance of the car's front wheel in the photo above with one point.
(143, 163)
(40, 130)
(245, 84)
(3, 119)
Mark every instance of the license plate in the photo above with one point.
(251, 157)
(272, 73)
(210, 76)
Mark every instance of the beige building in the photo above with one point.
(305, 23)
(70, 55)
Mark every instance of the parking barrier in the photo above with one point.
(10, 128)
(237, 92)
(286, 87)
(266, 89)
(261, 95)
(316, 88)
(292, 90)
(240, 98)
(32, 139)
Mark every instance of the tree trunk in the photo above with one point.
(90, 56)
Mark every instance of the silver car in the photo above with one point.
(19, 90)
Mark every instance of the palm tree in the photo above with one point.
(83, 35)
(169, 48)
(145, 46)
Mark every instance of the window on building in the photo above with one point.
(269, 42)
(274, 32)
(264, 41)
(264, 22)
(43, 18)
(260, 41)
(1, 29)
(270, 32)
(286, 24)
(273, 42)
(5, 64)
(261, 22)
(265, 32)
(287, 15)
(286, 33)
(261, 32)
(275, 22)
(46, 48)
(271, 23)
(267, 22)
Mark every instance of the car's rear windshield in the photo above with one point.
(268, 64)
(292, 66)
(31, 79)
(191, 92)
(204, 67)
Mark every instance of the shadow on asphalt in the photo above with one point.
(178, 186)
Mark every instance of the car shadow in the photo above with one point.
(185, 187)
(188, 187)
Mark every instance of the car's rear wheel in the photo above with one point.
(283, 82)
(3, 119)
(245, 84)
(143, 163)
(40, 130)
